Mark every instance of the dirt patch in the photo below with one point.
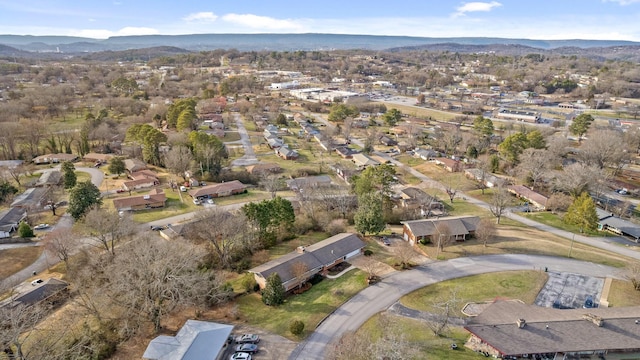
(14, 260)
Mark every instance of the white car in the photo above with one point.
(241, 356)
(210, 201)
(196, 201)
(36, 282)
(41, 226)
(183, 188)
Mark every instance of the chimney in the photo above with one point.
(300, 249)
(521, 323)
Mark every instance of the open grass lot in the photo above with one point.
(622, 294)
(250, 195)
(548, 218)
(518, 239)
(310, 307)
(409, 160)
(423, 112)
(230, 136)
(14, 260)
(82, 176)
(522, 285)
(420, 338)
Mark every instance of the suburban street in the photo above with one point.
(376, 298)
(249, 157)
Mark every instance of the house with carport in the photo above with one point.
(307, 261)
(218, 190)
(536, 199)
(459, 228)
(156, 198)
(196, 340)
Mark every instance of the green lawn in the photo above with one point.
(420, 338)
(409, 160)
(310, 307)
(522, 285)
(554, 220)
(82, 176)
(231, 136)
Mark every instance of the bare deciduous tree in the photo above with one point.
(299, 271)
(62, 243)
(272, 183)
(499, 202)
(534, 165)
(442, 311)
(442, 237)
(485, 231)
(404, 253)
(179, 160)
(107, 227)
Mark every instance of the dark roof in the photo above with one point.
(31, 197)
(569, 330)
(532, 196)
(624, 226)
(458, 225)
(41, 291)
(308, 181)
(155, 196)
(10, 219)
(314, 256)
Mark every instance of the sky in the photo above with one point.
(537, 19)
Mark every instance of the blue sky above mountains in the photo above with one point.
(540, 19)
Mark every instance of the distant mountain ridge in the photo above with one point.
(276, 42)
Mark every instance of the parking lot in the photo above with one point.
(271, 346)
(569, 291)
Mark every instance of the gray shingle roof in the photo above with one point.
(458, 225)
(196, 340)
(568, 331)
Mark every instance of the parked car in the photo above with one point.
(183, 188)
(120, 190)
(36, 282)
(196, 201)
(386, 241)
(247, 348)
(41, 226)
(240, 356)
(248, 338)
(210, 201)
(157, 228)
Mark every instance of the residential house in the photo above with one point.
(517, 115)
(10, 164)
(219, 190)
(274, 142)
(156, 198)
(10, 220)
(459, 228)
(263, 168)
(450, 165)
(608, 222)
(538, 200)
(95, 157)
(196, 340)
(54, 158)
(140, 180)
(364, 160)
(51, 290)
(512, 329)
(344, 173)
(415, 198)
(31, 198)
(425, 154)
(133, 165)
(488, 179)
(345, 152)
(316, 259)
(308, 182)
(49, 178)
(286, 153)
(385, 140)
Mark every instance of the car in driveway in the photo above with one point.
(41, 227)
(247, 348)
(36, 282)
(240, 356)
(386, 241)
(248, 338)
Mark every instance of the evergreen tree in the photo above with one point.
(69, 177)
(370, 216)
(582, 212)
(580, 125)
(24, 230)
(116, 166)
(82, 197)
(273, 292)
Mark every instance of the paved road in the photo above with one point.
(45, 261)
(351, 315)
(249, 157)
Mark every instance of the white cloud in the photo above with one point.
(261, 22)
(623, 2)
(477, 6)
(201, 16)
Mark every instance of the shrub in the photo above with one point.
(296, 327)
(24, 230)
(249, 283)
(368, 252)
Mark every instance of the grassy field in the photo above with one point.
(555, 220)
(418, 337)
(622, 294)
(423, 112)
(522, 285)
(14, 260)
(310, 307)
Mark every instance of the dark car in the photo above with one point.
(247, 348)
(248, 338)
(157, 228)
(386, 241)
